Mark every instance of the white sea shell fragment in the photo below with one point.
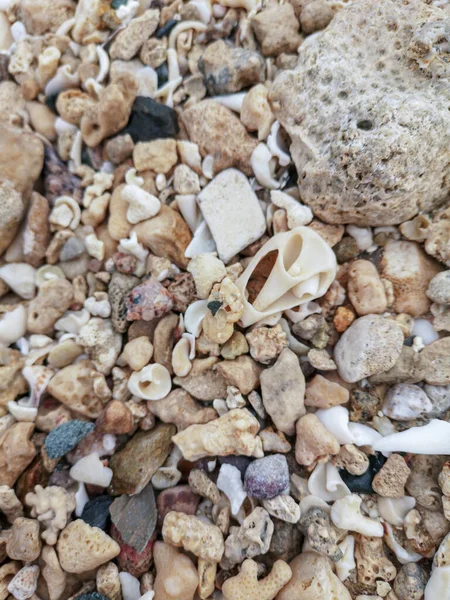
(346, 514)
(202, 242)
(73, 320)
(47, 272)
(293, 343)
(38, 377)
(298, 214)
(188, 207)
(249, 5)
(63, 80)
(303, 271)
(394, 510)
(20, 278)
(13, 325)
(22, 413)
(150, 595)
(310, 501)
(363, 435)
(168, 475)
(94, 246)
(61, 126)
(220, 406)
(90, 469)
(326, 483)
(404, 555)
(132, 246)
(276, 146)
(81, 499)
(231, 101)
(433, 438)
(166, 91)
(172, 64)
(133, 178)
(130, 586)
(208, 166)
(438, 586)
(194, 316)
(18, 31)
(362, 235)
(183, 26)
(190, 155)
(180, 357)
(65, 213)
(260, 163)
(142, 205)
(230, 483)
(347, 563)
(153, 382)
(103, 61)
(98, 307)
(191, 339)
(336, 420)
(425, 330)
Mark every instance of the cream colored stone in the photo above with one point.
(256, 113)
(247, 585)
(176, 576)
(206, 270)
(194, 535)
(233, 433)
(108, 582)
(82, 547)
(54, 576)
(73, 386)
(313, 441)
(53, 507)
(138, 352)
(158, 155)
(322, 393)
(16, 452)
(365, 288)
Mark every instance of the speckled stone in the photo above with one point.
(92, 596)
(267, 477)
(65, 437)
(148, 301)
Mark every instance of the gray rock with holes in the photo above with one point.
(367, 109)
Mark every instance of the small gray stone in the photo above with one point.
(267, 477)
(439, 288)
(65, 437)
(118, 290)
(228, 69)
(135, 517)
(372, 344)
(73, 248)
(410, 582)
(405, 402)
(320, 533)
(439, 396)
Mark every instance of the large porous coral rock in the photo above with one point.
(370, 134)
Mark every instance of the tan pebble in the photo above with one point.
(82, 547)
(73, 386)
(343, 318)
(243, 373)
(206, 270)
(216, 328)
(42, 120)
(64, 354)
(24, 542)
(351, 459)
(321, 360)
(437, 243)
(322, 393)
(164, 339)
(166, 235)
(233, 433)
(53, 299)
(247, 585)
(276, 29)
(10, 505)
(435, 362)
(313, 441)
(205, 380)
(235, 346)
(158, 155)
(332, 234)
(365, 289)
(185, 180)
(116, 418)
(38, 19)
(138, 352)
(21, 160)
(202, 485)
(54, 576)
(193, 535)
(176, 576)
(267, 343)
(391, 478)
(256, 113)
(154, 52)
(179, 408)
(11, 212)
(119, 148)
(71, 105)
(16, 452)
(108, 582)
(36, 235)
(118, 226)
(315, 16)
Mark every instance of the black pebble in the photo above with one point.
(151, 120)
(96, 512)
(91, 596)
(362, 484)
(163, 74)
(293, 177)
(50, 101)
(166, 29)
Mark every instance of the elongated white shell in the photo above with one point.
(433, 438)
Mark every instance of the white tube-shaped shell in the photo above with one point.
(336, 421)
(260, 162)
(346, 514)
(394, 510)
(194, 316)
(304, 269)
(180, 357)
(347, 563)
(326, 483)
(153, 382)
(433, 438)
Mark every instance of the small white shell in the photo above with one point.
(229, 482)
(187, 204)
(298, 214)
(65, 213)
(22, 413)
(208, 166)
(276, 147)
(73, 320)
(132, 246)
(394, 510)
(231, 101)
(94, 246)
(103, 60)
(38, 378)
(404, 555)
(260, 163)
(346, 514)
(326, 483)
(168, 475)
(81, 499)
(189, 154)
(142, 205)
(21, 278)
(183, 26)
(362, 235)
(63, 80)
(202, 242)
(153, 382)
(13, 325)
(347, 563)
(220, 406)
(180, 357)
(433, 438)
(90, 469)
(194, 316)
(336, 420)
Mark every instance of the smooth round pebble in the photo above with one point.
(439, 288)
(405, 402)
(267, 477)
(66, 436)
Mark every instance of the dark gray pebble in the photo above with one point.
(65, 437)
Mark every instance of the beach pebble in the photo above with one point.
(439, 288)
(54, 298)
(320, 534)
(180, 498)
(176, 576)
(439, 395)
(119, 287)
(65, 437)
(96, 512)
(151, 120)
(219, 133)
(16, 452)
(232, 211)
(73, 387)
(405, 402)
(128, 42)
(11, 213)
(267, 343)
(435, 362)
(24, 583)
(138, 461)
(242, 373)
(322, 393)
(277, 30)
(365, 288)
(372, 344)
(90, 469)
(74, 540)
(228, 69)
(390, 480)
(204, 381)
(283, 390)
(410, 582)
(21, 160)
(315, 16)
(267, 477)
(108, 582)
(158, 155)
(101, 343)
(247, 584)
(148, 301)
(24, 542)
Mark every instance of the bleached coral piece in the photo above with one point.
(326, 483)
(346, 514)
(247, 585)
(65, 213)
(394, 510)
(90, 469)
(233, 433)
(53, 507)
(298, 214)
(193, 534)
(347, 563)
(142, 205)
(230, 483)
(304, 268)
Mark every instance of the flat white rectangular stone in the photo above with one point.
(233, 213)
